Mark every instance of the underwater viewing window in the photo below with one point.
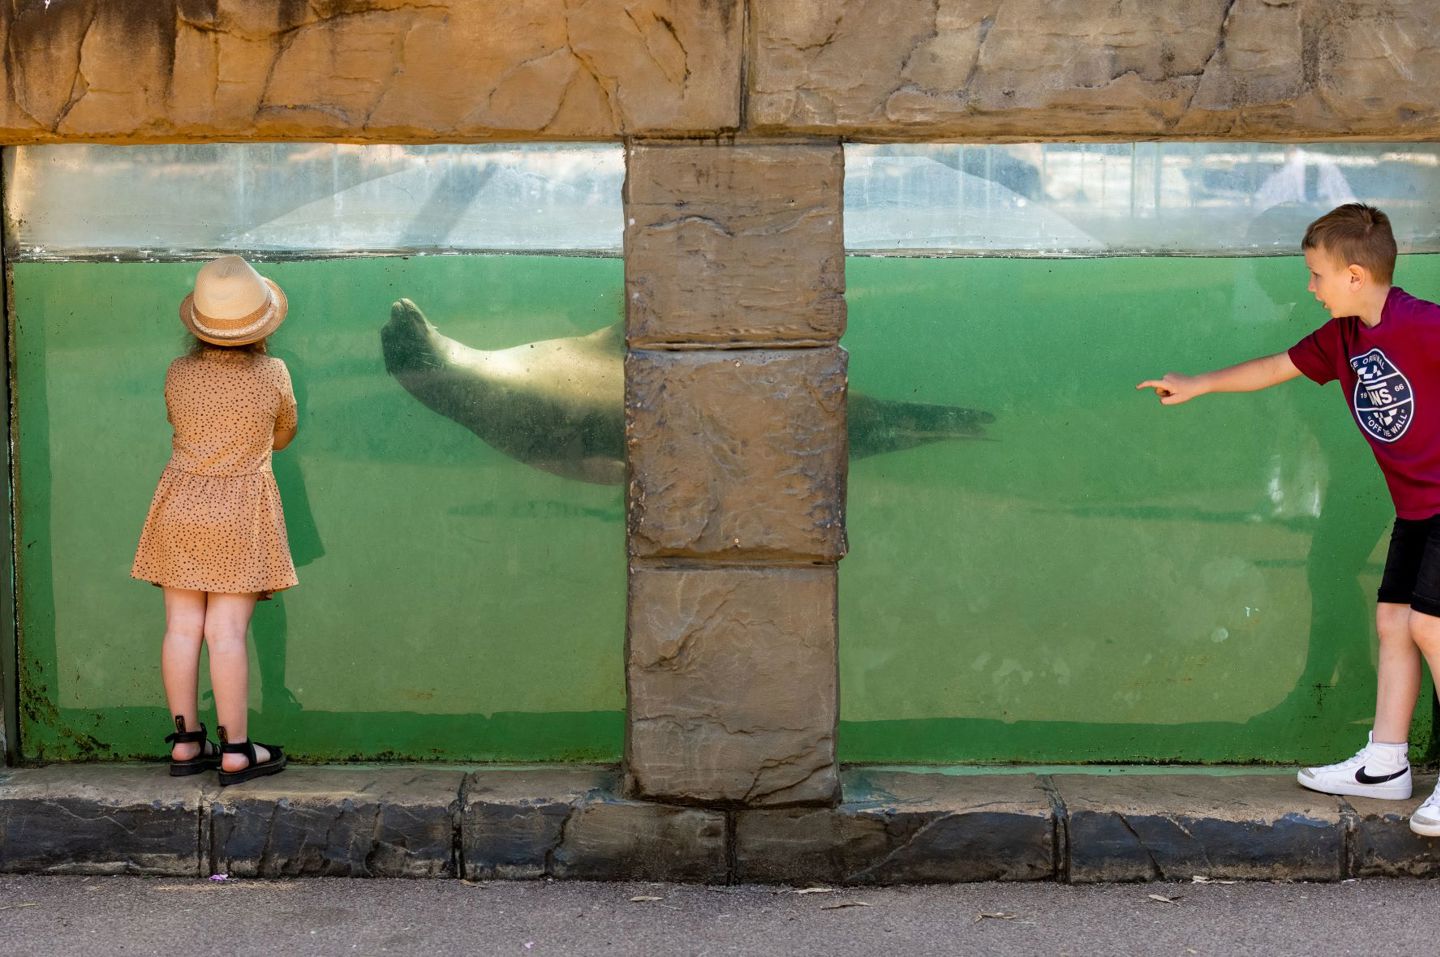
(1092, 576)
(459, 541)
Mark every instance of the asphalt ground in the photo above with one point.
(42, 916)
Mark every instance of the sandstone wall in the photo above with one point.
(465, 70)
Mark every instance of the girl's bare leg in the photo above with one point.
(227, 619)
(180, 660)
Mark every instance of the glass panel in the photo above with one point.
(1097, 577)
(462, 583)
(287, 198)
(1094, 199)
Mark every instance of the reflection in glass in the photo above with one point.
(312, 198)
(1122, 198)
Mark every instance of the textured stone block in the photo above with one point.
(102, 819)
(570, 822)
(1030, 68)
(733, 685)
(1172, 827)
(398, 70)
(734, 244)
(902, 827)
(737, 454)
(633, 840)
(338, 822)
(513, 820)
(1383, 845)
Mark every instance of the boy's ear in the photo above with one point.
(1358, 273)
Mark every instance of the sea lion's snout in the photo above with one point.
(408, 340)
(404, 311)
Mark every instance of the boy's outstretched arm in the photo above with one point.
(1174, 388)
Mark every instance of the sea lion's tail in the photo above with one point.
(883, 425)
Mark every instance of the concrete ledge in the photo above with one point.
(1174, 827)
(896, 826)
(1383, 844)
(569, 822)
(337, 822)
(102, 819)
(902, 828)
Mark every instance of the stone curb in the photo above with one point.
(564, 821)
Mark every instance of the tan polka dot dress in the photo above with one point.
(215, 523)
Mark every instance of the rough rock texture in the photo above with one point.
(556, 822)
(385, 70)
(570, 821)
(1172, 827)
(1383, 845)
(1256, 69)
(734, 244)
(338, 822)
(102, 819)
(738, 454)
(903, 827)
(457, 70)
(512, 821)
(733, 685)
(634, 840)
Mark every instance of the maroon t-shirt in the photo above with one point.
(1391, 377)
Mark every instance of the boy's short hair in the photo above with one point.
(1357, 234)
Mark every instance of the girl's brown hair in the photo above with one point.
(199, 347)
(1356, 233)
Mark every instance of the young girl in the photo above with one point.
(214, 539)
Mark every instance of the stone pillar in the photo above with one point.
(736, 443)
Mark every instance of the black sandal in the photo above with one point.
(208, 759)
(256, 769)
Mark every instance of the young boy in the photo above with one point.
(1384, 347)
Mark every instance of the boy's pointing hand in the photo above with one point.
(1172, 388)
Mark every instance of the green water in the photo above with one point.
(1098, 579)
(1107, 579)
(454, 603)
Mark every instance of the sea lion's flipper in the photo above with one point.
(884, 425)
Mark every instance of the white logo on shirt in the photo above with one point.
(1384, 403)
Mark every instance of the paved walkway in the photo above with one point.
(897, 826)
(117, 917)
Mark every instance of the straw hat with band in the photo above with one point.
(232, 305)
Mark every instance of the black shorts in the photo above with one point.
(1412, 568)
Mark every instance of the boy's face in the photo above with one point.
(1334, 283)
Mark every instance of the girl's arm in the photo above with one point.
(1174, 388)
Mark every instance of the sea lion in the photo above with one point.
(559, 404)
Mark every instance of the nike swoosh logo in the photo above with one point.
(1364, 778)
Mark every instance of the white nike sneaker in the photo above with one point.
(1426, 819)
(1374, 773)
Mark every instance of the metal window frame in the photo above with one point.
(9, 621)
